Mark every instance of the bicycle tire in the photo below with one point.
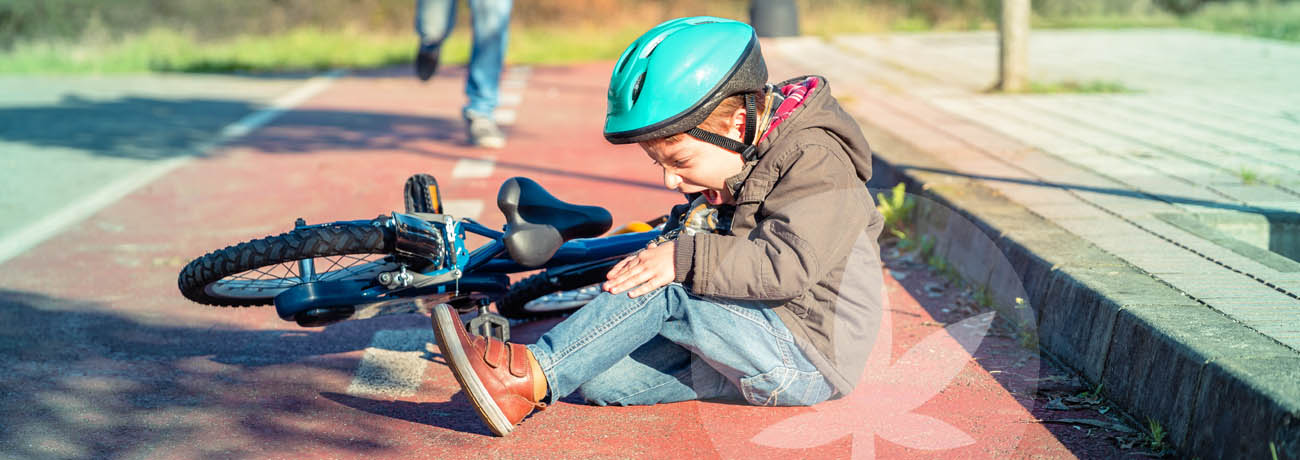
(336, 239)
(513, 304)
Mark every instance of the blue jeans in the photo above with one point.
(670, 345)
(434, 20)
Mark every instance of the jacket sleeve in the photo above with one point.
(809, 220)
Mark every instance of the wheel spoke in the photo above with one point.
(264, 281)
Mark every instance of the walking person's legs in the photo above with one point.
(434, 20)
(491, 19)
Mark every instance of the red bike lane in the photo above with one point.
(110, 360)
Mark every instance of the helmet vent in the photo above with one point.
(650, 47)
(622, 64)
(636, 87)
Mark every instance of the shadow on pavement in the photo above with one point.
(156, 129)
(131, 127)
(456, 414)
(82, 381)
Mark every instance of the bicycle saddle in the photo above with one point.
(537, 224)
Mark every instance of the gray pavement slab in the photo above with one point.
(1201, 122)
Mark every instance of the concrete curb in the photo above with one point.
(1220, 389)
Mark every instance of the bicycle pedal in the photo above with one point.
(421, 195)
(489, 324)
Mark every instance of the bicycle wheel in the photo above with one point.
(547, 294)
(254, 272)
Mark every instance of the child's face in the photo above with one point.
(692, 165)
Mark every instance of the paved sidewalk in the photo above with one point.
(1192, 181)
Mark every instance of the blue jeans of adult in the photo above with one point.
(434, 20)
(670, 345)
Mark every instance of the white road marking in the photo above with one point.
(463, 208)
(473, 168)
(393, 365)
(54, 223)
(280, 105)
(512, 96)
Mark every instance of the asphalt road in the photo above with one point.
(105, 359)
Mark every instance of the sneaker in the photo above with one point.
(484, 132)
(422, 194)
(426, 62)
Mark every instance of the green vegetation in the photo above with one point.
(165, 50)
(897, 211)
(88, 36)
(983, 297)
(1157, 435)
(305, 48)
(1266, 19)
(1071, 86)
(1248, 176)
(1026, 332)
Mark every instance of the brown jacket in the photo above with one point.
(803, 237)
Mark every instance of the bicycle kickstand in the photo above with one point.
(489, 324)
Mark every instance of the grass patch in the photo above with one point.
(1279, 21)
(1157, 435)
(300, 49)
(172, 51)
(897, 211)
(1275, 20)
(1248, 176)
(1153, 20)
(556, 45)
(1078, 87)
(541, 34)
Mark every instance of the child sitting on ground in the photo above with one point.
(743, 296)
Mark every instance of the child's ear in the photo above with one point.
(738, 121)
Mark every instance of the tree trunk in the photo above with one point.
(1013, 46)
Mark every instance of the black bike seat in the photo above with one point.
(537, 224)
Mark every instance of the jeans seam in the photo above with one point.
(785, 385)
(595, 333)
(807, 389)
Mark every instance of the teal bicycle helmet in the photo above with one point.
(672, 77)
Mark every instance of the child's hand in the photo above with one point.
(647, 270)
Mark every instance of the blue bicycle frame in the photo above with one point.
(440, 240)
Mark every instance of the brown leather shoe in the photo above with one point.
(496, 375)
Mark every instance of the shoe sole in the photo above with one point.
(449, 345)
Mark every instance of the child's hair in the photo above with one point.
(718, 121)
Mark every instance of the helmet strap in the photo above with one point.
(751, 118)
(746, 149)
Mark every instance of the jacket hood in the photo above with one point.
(820, 110)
